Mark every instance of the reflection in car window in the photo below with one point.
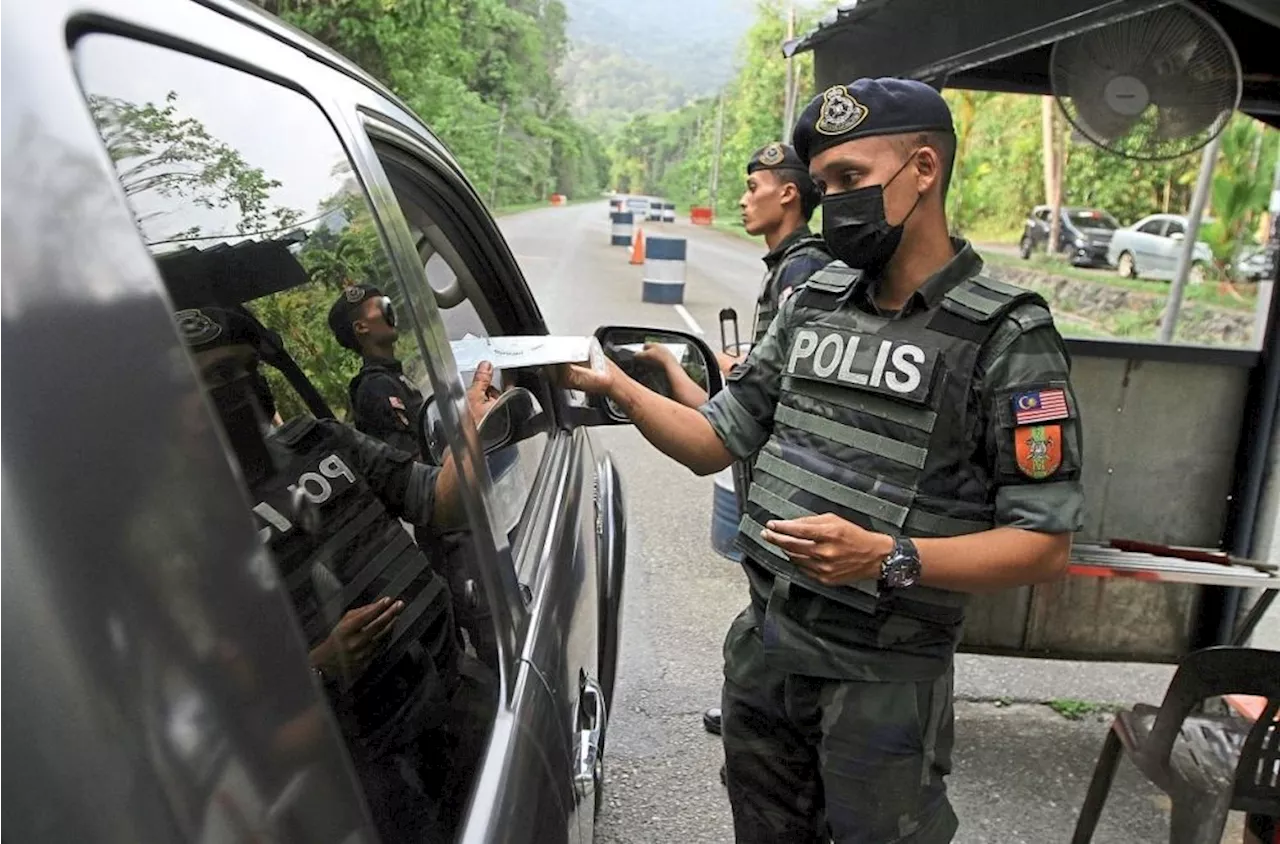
(455, 276)
(1152, 227)
(249, 205)
(1175, 227)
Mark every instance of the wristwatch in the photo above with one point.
(902, 567)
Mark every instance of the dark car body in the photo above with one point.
(158, 685)
(1083, 234)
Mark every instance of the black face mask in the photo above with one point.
(242, 416)
(855, 228)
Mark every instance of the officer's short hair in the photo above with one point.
(944, 143)
(810, 196)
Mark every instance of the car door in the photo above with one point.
(540, 494)
(1148, 246)
(1171, 246)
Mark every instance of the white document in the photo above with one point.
(516, 352)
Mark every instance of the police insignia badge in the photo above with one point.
(196, 327)
(1038, 449)
(771, 155)
(840, 112)
(354, 294)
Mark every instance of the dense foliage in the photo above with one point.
(457, 63)
(999, 173)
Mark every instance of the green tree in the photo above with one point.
(156, 150)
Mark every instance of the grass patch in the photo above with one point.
(1077, 710)
(1206, 293)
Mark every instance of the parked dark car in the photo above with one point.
(179, 155)
(1083, 234)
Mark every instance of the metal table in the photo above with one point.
(1090, 560)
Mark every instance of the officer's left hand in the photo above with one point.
(832, 550)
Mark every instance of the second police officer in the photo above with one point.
(917, 439)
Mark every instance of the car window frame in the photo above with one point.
(486, 270)
(493, 551)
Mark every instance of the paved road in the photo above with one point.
(1020, 768)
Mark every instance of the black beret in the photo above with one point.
(211, 327)
(775, 156)
(343, 312)
(867, 107)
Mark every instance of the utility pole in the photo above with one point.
(1052, 173)
(1199, 199)
(1266, 285)
(789, 99)
(715, 159)
(497, 157)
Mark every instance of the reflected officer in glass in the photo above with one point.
(916, 438)
(385, 403)
(377, 616)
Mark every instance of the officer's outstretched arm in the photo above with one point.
(680, 432)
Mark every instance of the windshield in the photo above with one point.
(1087, 218)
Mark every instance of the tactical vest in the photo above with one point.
(877, 422)
(767, 303)
(338, 548)
(412, 407)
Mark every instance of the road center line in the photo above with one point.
(689, 320)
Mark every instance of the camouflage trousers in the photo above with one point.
(810, 759)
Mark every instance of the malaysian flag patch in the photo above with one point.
(1036, 406)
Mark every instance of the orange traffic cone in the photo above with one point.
(637, 247)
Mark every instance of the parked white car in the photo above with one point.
(1150, 247)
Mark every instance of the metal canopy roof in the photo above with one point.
(1004, 45)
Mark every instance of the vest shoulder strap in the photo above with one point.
(809, 246)
(293, 432)
(974, 308)
(826, 288)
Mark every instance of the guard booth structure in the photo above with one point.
(1180, 442)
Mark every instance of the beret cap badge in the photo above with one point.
(196, 326)
(840, 112)
(772, 154)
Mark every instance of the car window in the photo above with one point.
(1175, 227)
(1152, 227)
(250, 207)
(1091, 220)
(470, 295)
(1041, 214)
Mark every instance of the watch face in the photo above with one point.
(902, 568)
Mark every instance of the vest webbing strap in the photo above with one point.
(352, 529)
(881, 446)
(920, 418)
(776, 504)
(803, 479)
(375, 567)
(408, 629)
(861, 594)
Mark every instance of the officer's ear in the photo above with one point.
(788, 192)
(359, 327)
(928, 166)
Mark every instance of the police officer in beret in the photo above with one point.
(377, 616)
(385, 403)
(918, 441)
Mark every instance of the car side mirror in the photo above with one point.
(658, 358)
(513, 416)
(1177, 236)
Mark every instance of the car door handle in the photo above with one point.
(592, 716)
